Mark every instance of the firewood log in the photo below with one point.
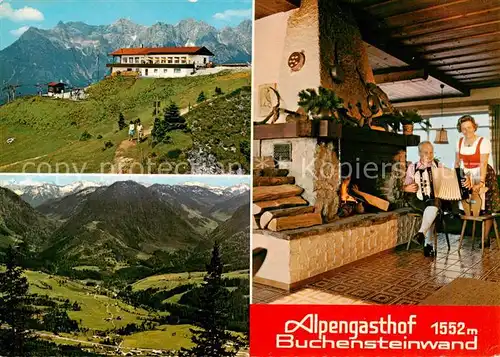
(270, 172)
(258, 258)
(259, 207)
(293, 222)
(286, 212)
(266, 193)
(273, 181)
(372, 200)
(263, 162)
(255, 224)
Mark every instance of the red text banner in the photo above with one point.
(382, 330)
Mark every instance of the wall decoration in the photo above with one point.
(336, 71)
(296, 61)
(267, 98)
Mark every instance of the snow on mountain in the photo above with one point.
(238, 189)
(70, 50)
(221, 190)
(36, 193)
(78, 186)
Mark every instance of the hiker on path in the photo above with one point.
(140, 129)
(131, 131)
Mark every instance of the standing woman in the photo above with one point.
(475, 153)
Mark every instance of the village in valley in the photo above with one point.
(117, 265)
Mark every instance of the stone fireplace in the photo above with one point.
(316, 159)
(319, 46)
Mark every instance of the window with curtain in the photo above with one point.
(445, 153)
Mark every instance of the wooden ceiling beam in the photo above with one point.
(476, 75)
(465, 68)
(482, 79)
(399, 74)
(428, 8)
(375, 33)
(454, 105)
(461, 56)
(429, 97)
(473, 70)
(486, 84)
(474, 62)
(264, 8)
(453, 50)
(451, 33)
(423, 27)
(452, 42)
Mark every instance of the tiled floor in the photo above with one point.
(399, 277)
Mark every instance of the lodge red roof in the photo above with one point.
(162, 50)
(53, 84)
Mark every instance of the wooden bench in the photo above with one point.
(483, 220)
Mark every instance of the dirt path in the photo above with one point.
(83, 342)
(19, 162)
(121, 162)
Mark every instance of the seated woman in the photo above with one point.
(473, 154)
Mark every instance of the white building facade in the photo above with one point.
(160, 62)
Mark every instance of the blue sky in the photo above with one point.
(65, 179)
(16, 16)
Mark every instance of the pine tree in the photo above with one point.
(201, 97)
(16, 312)
(173, 119)
(218, 91)
(245, 149)
(57, 320)
(211, 338)
(158, 131)
(121, 122)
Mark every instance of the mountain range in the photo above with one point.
(77, 53)
(36, 194)
(127, 222)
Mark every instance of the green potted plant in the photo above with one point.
(409, 118)
(323, 104)
(325, 108)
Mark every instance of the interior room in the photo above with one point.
(350, 86)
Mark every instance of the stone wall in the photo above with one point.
(327, 181)
(310, 252)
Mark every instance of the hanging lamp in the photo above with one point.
(441, 134)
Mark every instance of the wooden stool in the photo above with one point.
(434, 232)
(481, 219)
(412, 228)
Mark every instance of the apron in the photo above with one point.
(472, 167)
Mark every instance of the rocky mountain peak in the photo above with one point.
(70, 49)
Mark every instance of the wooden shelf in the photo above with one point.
(331, 130)
(350, 134)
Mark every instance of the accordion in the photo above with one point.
(442, 183)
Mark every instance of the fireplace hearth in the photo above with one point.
(319, 160)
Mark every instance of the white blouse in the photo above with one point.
(470, 150)
(475, 173)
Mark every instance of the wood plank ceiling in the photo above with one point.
(456, 41)
(265, 8)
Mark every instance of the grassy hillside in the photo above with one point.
(94, 305)
(49, 130)
(102, 312)
(170, 281)
(21, 222)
